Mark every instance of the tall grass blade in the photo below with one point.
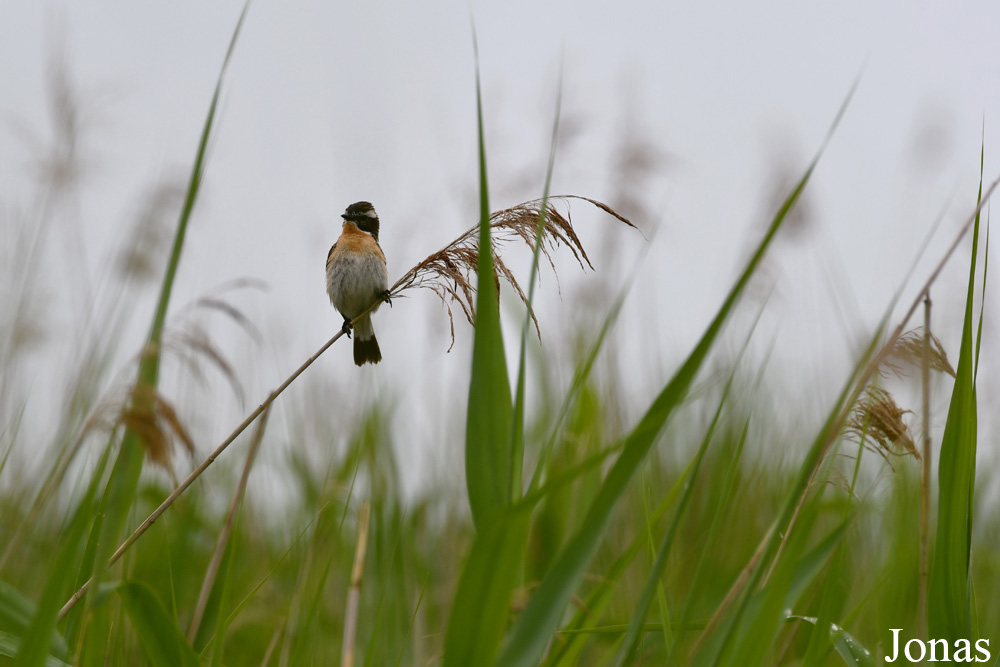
(701, 572)
(488, 437)
(540, 619)
(159, 635)
(121, 489)
(517, 443)
(635, 630)
(832, 597)
(796, 517)
(949, 608)
(42, 636)
(479, 614)
(580, 376)
(17, 613)
(10, 645)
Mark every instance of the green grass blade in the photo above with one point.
(41, 636)
(517, 435)
(635, 631)
(702, 572)
(850, 649)
(159, 635)
(580, 376)
(10, 644)
(832, 597)
(479, 614)
(120, 492)
(490, 412)
(598, 599)
(213, 620)
(949, 607)
(797, 499)
(535, 626)
(17, 613)
(661, 596)
(753, 631)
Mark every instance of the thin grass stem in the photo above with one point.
(354, 596)
(220, 548)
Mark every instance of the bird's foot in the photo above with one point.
(387, 297)
(347, 326)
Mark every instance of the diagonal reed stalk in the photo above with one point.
(925, 471)
(446, 273)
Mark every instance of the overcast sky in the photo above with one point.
(329, 103)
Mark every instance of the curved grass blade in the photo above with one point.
(16, 616)
(711, 537)
(466, 620)
(41, 636)
(833, 594)
(799, 510)
(635, 630)
(598, 600)
(517, 435)
(10, 645)
(159, 635)
(121, 489)
(540, 619)
(949, 608)
(488, 421)
(479, 614)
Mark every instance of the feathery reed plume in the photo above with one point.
(877, 422)
(154, 419)
(148, 413)
(448, 272)
(910, 349)
(191, 344)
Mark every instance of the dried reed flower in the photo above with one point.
(877, 422)
(151, 417)
(145, 411)
(192, 344)
(909, 350)
(449, 271)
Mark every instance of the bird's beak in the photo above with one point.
(344, 216)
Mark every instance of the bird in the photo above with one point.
(356, 278)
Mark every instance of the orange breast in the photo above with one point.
(353, 239)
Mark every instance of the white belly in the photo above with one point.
(354, 283)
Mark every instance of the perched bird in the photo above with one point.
(356, 277)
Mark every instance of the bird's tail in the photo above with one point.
(365, 344)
